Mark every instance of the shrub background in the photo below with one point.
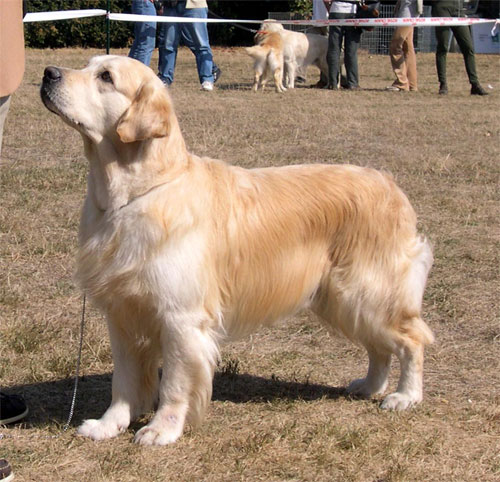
(91, 32)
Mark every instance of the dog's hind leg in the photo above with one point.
(259, 68)
(275, 64)
(408, 342)
(190, 355)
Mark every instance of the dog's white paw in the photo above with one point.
(99, 429)
(399, 401)
(153, 435)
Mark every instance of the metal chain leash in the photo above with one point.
(78, 362)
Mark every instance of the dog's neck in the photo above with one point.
(120, 173)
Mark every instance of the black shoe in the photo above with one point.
(6, 474)
(330, 87)
(216, 72)
(12, 409)
(476, 89)
(352, 87)
(443, 89)
(318, 85)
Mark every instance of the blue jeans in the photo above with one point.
(144, 32)
(351, 37)
(169, 42)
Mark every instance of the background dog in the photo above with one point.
(300, 50)
(268, 57)
(182, 253)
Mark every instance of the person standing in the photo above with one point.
(454, 8)
(144, 32)
(350, 37)
(12, 407)
(11, 55)
(198, 33)
(401, 50)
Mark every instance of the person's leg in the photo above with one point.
(464, 39)
(397, 53)
(144, 32)
(352, 39)
(188, 42)
(443, 40)
(333, 53)
(411, 61)
(168, 44)
(199, 35)
(4, 109)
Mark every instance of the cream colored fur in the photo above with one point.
(183, 253)
(268, 60)
(300, 50)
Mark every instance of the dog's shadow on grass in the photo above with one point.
(50, 402)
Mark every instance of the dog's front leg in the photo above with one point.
(190, 354)
(134, 388)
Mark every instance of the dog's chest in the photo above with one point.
(136, 256)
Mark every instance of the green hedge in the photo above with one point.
(91, 32)
(85, 32)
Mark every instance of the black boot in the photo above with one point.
(443, 88)
(476, 89)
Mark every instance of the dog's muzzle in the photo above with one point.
(52, 78)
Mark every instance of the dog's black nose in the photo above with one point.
(52, 74)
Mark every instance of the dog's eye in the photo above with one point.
(106, 77)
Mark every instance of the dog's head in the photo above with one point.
(112, 96)
(266, 27)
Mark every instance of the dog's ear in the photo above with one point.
(148, 116)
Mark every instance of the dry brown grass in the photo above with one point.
(279, 410)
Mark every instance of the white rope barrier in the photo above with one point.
(353, 22)
(62, 15)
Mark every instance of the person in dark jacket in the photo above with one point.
(462, 33)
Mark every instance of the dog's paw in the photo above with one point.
(99, 429)
(399, 401)
(365, 388)
(153, 435)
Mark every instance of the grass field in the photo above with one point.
(279, 410)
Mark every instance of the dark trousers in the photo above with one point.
(350, 37)
(464, 39)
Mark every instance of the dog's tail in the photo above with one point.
(257, 51)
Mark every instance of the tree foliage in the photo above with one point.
(91, 32)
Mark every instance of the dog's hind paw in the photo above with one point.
(99, 430)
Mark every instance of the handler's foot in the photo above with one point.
(12, 408)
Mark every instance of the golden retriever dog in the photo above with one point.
(268, 60)
(182, 253)
(300, 50)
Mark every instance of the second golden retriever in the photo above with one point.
(183, 253)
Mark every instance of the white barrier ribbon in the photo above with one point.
(62, 15)
(352, 22)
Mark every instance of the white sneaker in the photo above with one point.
(207, 85)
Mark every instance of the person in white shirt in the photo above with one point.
(350, 37)
(401, 50)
